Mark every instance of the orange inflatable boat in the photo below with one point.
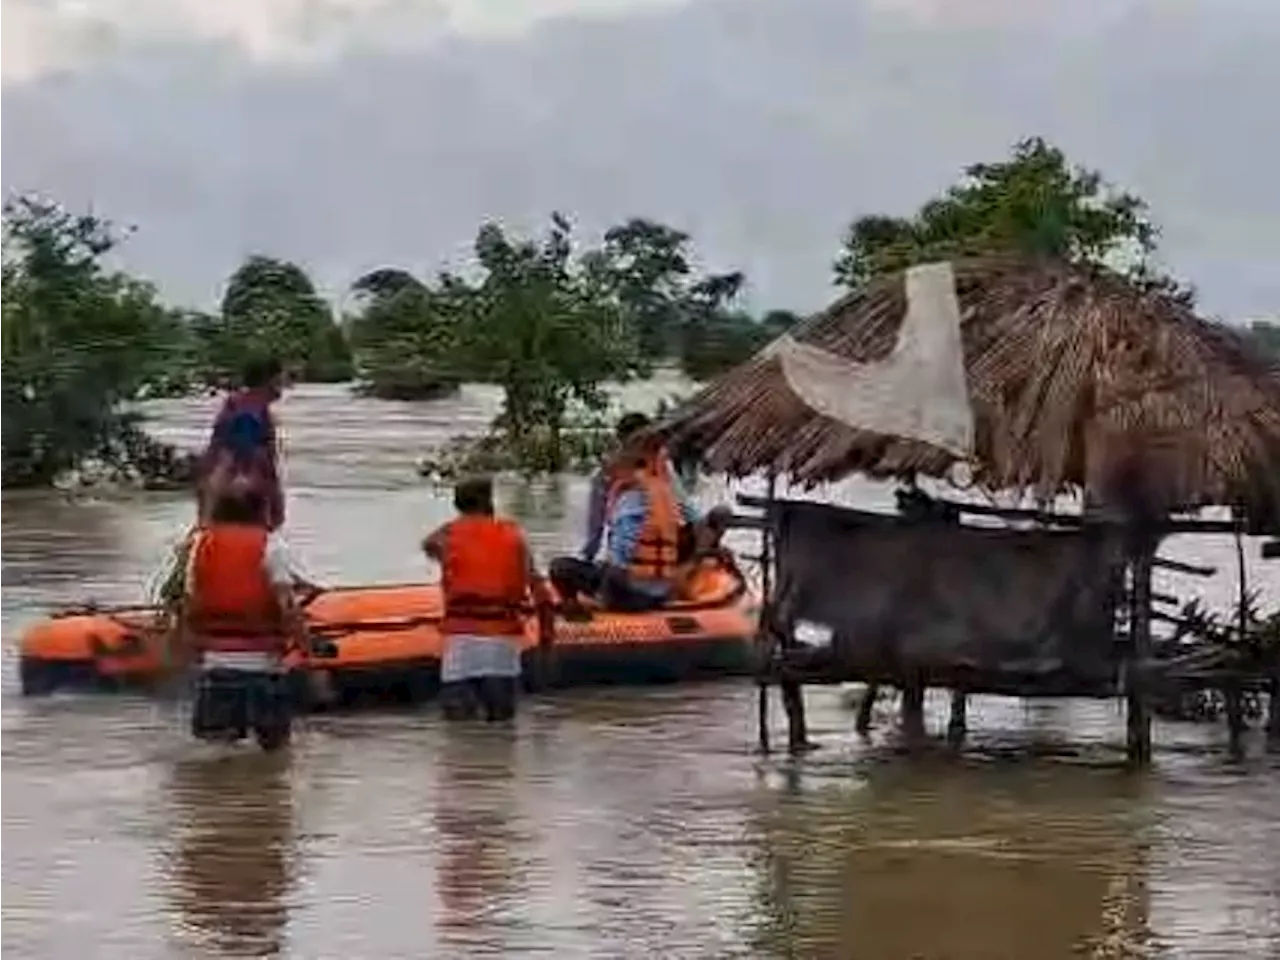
(384, 641)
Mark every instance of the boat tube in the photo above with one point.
(384, 642)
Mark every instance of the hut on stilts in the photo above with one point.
(1039, 380)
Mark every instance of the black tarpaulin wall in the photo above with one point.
(1002, 610)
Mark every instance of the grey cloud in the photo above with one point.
(761, 127)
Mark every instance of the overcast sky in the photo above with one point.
(349, 134)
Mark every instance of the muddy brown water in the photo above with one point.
(610, 823)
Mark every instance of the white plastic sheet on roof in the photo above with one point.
(919, 392)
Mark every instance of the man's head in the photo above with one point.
(238, 501)
(629, 424)
(718, 519)
(265, 374)
(473, 496)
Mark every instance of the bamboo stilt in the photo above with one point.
(913, 709)
(958, 725)
(862, 724)
(1232, 697)
(765, 637)
(1139, 714)
(1273, 715)
(797, 727)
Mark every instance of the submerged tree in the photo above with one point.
(676, 312)
(541, 324)
(271, 306)
(1033, 203)
(78, 340)
(406, 336)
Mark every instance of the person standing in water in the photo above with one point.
(240, 618)
(487, 575)
(243, 441)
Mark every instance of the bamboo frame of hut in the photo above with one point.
(1079, 382)
(1140, 610)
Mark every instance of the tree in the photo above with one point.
(729, 338)
(1033, 203)
(1266, 336)
(406, 337)
(647, 267)
(385, 282)
(543, 325)
(271, 306)
(78, 341)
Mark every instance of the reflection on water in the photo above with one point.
(232, 825)
(611, 823)
(474, 817)
(926, 860)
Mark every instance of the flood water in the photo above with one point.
(614, 823)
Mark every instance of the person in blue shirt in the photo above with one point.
(644, 508)
(629, 425)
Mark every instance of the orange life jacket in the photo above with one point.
(657, 551)
(232, 604)
(699, 579)
(484, 575)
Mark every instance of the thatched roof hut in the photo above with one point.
(1077, 381)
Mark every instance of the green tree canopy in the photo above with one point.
(541, 323)
(676, 312)
(1034, 203)
(406, 337)
(78, 340)
(271, 306)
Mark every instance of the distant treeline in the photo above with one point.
(548, 319)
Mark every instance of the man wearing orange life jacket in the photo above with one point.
(646, 510)
(708, 557)
(241, 617)
(487, 576)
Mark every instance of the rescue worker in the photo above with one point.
(243, 440)
(629, 425)
(487, 575)
(645, 513)
(707, 557)
(241, 619)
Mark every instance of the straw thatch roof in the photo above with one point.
(1077, 381)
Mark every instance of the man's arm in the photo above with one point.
(543, 601)
(689, 512)
(433, 543)
(626, 522)
(537, 582)
(595, 515)
(280, 571)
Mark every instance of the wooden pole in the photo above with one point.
(1139, 716)
(1231, 694)
(959, 722)
(792, 692)
(913, 708)
(862, 723)
(764, 636)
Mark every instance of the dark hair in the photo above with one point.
(474, 495)
(260, 371)
(718, 518)
(239, 506)
(630, 424)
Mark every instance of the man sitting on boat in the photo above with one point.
(240, 617)
(645, 511)
(708, 556)
(243, 439)
(487, 576)
(629, 426)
